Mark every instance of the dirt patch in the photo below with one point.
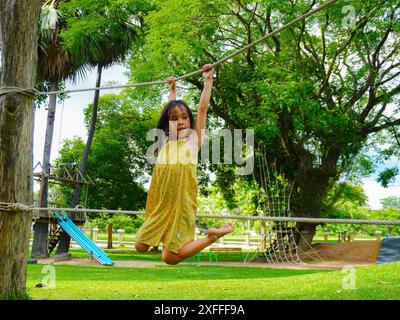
(332, 265)
(333, 256)
(363, 252)
(93, 263)
(322, 257)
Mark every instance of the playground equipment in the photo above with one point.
(88, 245)
(63, 176)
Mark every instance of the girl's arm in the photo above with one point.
(200, 122)
(172, 89)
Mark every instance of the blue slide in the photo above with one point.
(88, 245)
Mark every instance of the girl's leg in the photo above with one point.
(141, 247)
(193, 247)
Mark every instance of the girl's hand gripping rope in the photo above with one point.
(172, 88)
(207, 72)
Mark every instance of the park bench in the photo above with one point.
(221, 253)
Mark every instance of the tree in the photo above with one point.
(390, 202)
(385, 214)
(100, 33)
(349, 203)
(18, 36)
(54, 66)
(116, 165)
(314, 94)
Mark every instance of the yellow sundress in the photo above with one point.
(171, 204)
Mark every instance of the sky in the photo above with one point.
(70, 122)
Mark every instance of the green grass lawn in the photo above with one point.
(212, 282)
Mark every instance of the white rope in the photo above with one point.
(31, 92)
(21, 207)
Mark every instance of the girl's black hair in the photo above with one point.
(163, 122)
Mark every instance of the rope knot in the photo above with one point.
(14, 206)
(28, 92)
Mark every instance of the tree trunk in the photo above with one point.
(65, 239)
(313, 182)
(110, 236)
(41, 229)
(305, 235)
(310, 206)
(18, 35)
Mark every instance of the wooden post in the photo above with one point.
(95, 233)
(263, 242)
(326, 235)
(120, 236)
(378, 235)
(247, 237)
(110, 234)
(263, 235)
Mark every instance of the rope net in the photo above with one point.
(278, 239)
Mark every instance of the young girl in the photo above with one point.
(171, 205)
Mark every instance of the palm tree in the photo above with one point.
(100, 36)
(55, 65)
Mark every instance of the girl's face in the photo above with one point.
(179, 122)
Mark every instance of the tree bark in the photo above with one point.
(110, 236)
(65, 239)
(18, 35)
(41, 229)
(313, 181)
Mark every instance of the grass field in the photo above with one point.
(190, 281)
(195, 282)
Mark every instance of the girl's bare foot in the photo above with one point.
(215, 233)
